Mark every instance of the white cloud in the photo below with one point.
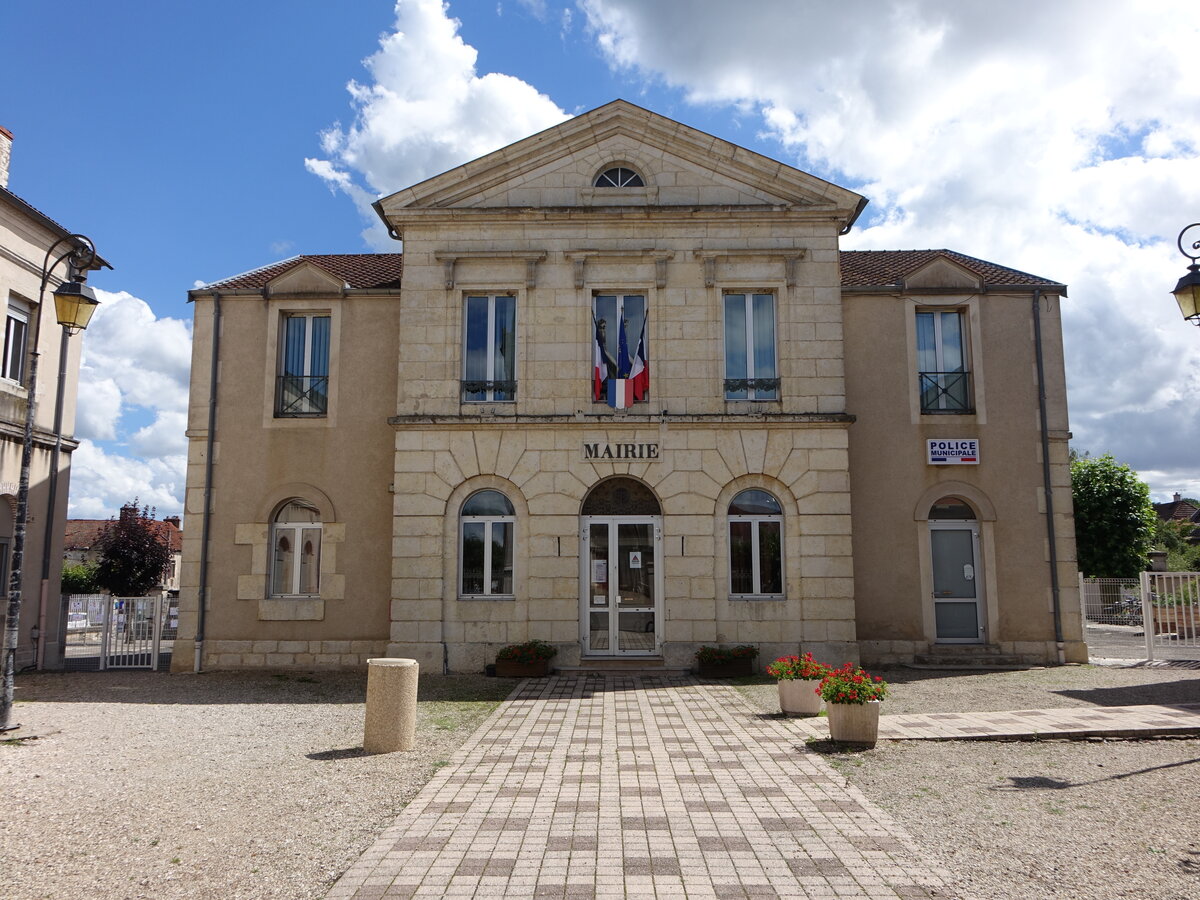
(135, 365)
(101, 482)
(426, 111)
(165, 436)
(1059, 138)
(148, 358)
(99, 408)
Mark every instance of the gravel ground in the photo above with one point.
(231, 786)
(249, 787)
(1055, 819)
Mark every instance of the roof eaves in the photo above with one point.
(214, 285)
(48, 223)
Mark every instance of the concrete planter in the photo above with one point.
(799, 697)
(854, 723)
(512, 668)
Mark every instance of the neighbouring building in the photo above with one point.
(81, 536)
(1179, 510)
(26, 235)
(625, 393)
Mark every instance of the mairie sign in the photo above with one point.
(953, 451)
(597, 450)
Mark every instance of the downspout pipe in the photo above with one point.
(206, 527)
(1055, 588)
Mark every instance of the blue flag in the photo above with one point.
(623, 362)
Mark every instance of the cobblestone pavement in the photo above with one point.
(642, 787)
(1031, 724)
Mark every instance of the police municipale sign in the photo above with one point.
(953, 451)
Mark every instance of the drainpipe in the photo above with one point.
(202, 598)
(1046, 486)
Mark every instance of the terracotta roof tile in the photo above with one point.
(861, 268)
(358, 270)
(81, 534)
(1177, 511)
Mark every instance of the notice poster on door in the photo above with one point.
(599, 600)
(600, 571)
(635, 559)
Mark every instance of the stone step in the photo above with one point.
(967, 656)
(968, 661)
(622, 665)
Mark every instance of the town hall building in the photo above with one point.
(623, 392)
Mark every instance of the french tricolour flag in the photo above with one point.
(639, 371)
(600, 368)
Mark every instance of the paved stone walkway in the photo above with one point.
(639, 787)
(1075, 723)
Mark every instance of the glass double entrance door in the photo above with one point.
(621, 590)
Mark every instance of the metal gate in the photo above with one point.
(1171, 614)
(114, 632)
(1154, 616)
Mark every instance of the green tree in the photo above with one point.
(1173, 537)
(79, 579)
(134, 553)
(1114, 518)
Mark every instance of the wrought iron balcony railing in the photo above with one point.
(945, 392)
(755, 388)
(475, 391)
(297, 396)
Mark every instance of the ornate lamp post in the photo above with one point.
(74, 303)
(1187, 292)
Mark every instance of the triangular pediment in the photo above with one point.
(303, 280)
(680, 166)
(943, 273)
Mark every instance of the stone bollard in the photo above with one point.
(391, 719)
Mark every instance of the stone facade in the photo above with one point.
(26, 235)
(385, 472)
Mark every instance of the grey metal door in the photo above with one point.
(956, 589)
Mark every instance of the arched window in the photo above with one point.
(951, 508)
(620, 177)
(755, 545)
(486, 546)
(296, 548)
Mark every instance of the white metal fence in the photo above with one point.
(1156, 616)
(106, 632)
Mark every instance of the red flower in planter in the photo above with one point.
(851, 684)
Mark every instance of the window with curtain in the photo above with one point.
(750, 347)
(755, 545)
(486, 544)
(943, 373)
(296, 551)
(490, 348)
(303, 383)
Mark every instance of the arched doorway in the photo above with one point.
(958, 602)
(621, 573)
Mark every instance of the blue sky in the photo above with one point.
(1058, 138)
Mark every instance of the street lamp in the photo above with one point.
(74, 303)
(1187, 292)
